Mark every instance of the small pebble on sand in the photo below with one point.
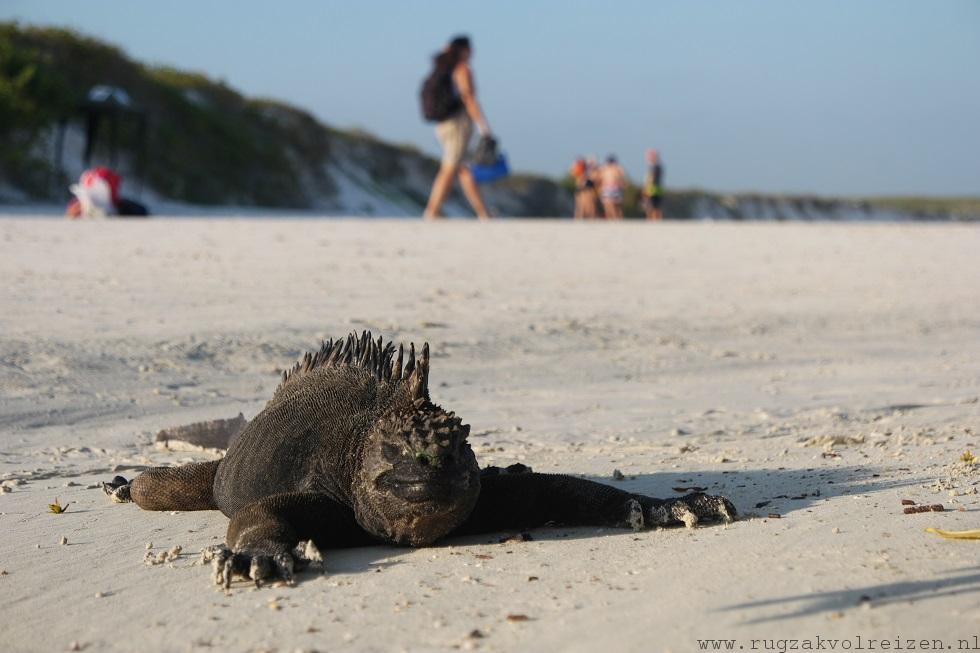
(63, 540)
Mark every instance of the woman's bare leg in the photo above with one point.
(616, 210)
(472, 193)
(589, 211)
(609, 208)
(440, 189)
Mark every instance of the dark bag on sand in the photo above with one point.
(485, 153)
(439, 99)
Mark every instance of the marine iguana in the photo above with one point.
(351, 451)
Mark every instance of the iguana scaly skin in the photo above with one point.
(351, 451)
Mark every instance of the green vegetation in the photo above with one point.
(206, 143)
(32, 95)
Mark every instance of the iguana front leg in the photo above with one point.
(187, 487)
(264, 538)
(517, 501)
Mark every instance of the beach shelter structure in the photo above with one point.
(105, 111)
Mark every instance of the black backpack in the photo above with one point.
(439, 99)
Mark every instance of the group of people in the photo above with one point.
(600, 190)
(449, 100)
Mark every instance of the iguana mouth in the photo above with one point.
(437, 488)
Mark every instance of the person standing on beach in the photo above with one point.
(653, 190)
(585, 201)
(612, 188)
(592, 182)
(449, 100)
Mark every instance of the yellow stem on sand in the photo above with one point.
(956, 535)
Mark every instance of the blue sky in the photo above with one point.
(834, 97)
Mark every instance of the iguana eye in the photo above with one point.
(423, 459)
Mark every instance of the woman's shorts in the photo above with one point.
(454, 135)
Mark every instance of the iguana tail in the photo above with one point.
(213, 434)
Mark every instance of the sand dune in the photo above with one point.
(820, 373)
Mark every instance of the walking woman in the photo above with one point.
(449, 99)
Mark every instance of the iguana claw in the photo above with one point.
(226, 565)
(117, 489)
(689, 510)
(634, 515)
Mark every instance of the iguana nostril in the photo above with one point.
(391, 452)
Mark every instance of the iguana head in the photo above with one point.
(419, 478)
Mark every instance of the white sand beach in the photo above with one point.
(816, 374)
